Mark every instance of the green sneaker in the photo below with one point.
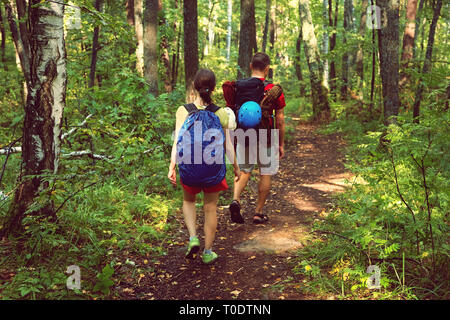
(209, 258)
(193, 247)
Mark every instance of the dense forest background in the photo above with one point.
(88, 96)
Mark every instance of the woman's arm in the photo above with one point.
(172, 175)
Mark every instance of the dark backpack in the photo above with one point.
(202, 173)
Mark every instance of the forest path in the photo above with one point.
(256, 261)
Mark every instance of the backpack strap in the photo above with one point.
(191, 108)
(213, 108)
(266, 83)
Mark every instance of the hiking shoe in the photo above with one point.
(193, 247)
(235, 210)
(209, 257)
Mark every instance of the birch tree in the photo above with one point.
(325, 43)
(360, 53)
(348, 8)
(43, 110)
(139, 29)
(229, 27)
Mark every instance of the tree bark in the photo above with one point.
(325, 44)
(374, 63)
(388, 44)
(95, 46)
(229, 27)
(272, 28)
(3, 43)
(151, 45)
(360, 53)
(176, 60)
(18, 43)
(210, 34)
(139, 29)
(345, 58)
(43, 110)
(333, 23)
(130, 12)
(321, 108)
(246, 38)
(190, 46)
(417, 26)
(298, 63)
(408, 41)
(165, 58)
(266, 25)
(23, 28)
(427, 63)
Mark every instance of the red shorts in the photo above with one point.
(218, 187)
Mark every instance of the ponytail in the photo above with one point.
(205, 94)
(204, 83)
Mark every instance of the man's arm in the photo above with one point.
(279, 122)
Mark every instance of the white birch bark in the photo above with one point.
(229, 28)
(325, 43)
(139, 28)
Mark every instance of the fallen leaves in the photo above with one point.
(235, 293)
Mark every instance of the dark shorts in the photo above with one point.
(218, 187)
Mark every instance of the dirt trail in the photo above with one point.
(256, 261)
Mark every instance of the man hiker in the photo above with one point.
(259, 66)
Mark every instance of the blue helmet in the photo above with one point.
(249, 115)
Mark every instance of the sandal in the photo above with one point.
(262, 218)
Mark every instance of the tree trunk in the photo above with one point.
(151, 45)
(427, 63)
(190, 46)
(333, 23)
(298, 63)
(266, 25)
(164, 55)
(139, 29)
(246, 38)
(130, 12)
(360, 53)
(253, 27)
(417, 26)
(176, 60)
(408, 41)
(21, 51)
(23, 28)
(95, 46)
(3, 43)
(374, 63)
(321, 108)
(272, 28)
(210, 34)
(345, 58)
(229, 27)
(325, 44)
(388, 43)
(43, 111)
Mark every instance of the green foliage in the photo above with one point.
(104, 281)
(397, 204)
